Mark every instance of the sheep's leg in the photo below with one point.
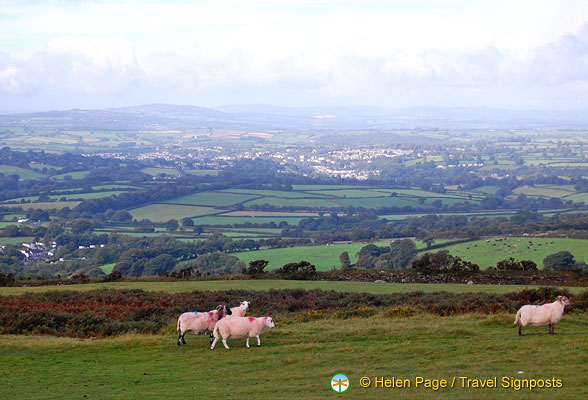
(551, 329)
(183, 340)
(520, 330)
(211, 337)
(213, 344)
(247, 342)
(258, 341)
(225, 344)
(179, 339)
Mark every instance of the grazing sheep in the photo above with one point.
(239, 327)
(547, 314)
(198, 323)
(240, 310)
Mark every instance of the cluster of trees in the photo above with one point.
(395, 256)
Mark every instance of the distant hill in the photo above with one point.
(263, 117)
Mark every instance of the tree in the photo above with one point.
(345, 261)
(172, 225)
(82, 225)
(187, 222)
(402, 252)
(122, 216)
(562, 260)
(256, 267)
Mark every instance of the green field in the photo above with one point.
(164, 212)
(21, 172)
(107, 268)
(201, 172)
(215, 199)
(527, 248)
(45, 205)
(356, 287)
(323, 257)
(296, 360)
(163, 171)
(74, 175)
(227, 220)
(15, 240)
(291, 202)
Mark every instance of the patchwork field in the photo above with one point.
(21, 172)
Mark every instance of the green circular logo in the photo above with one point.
(339, 383)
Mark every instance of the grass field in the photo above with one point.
(164, 212)
(74, 175)
(217, 199)
(527, 248)
(323, 257)
(21, 172)
(15, 240)
(356, 287)
(297, 360)
(45, 205)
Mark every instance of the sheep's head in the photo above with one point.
(223, 311)
(563, 300)
(269, 322)
(245, 305)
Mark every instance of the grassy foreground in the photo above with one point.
(367, 287)
(297, 360)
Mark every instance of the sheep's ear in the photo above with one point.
(559, 298)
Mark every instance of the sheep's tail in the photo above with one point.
(179, 330)
(518, 318)
(215, 332)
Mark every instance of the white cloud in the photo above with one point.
(293, 52)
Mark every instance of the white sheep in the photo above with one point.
(239, 327)
(240, 310)
(547, 314)
(197, 322)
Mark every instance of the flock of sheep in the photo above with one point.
(227, 323)
(223, 323)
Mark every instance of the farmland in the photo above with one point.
(489, 252)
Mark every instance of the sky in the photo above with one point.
(524, 54)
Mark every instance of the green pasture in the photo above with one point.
(221, 220)
(381, 202)
(283, 202)
(15, 240)
(163, 212)
(325, 257)
(158, 171)
(107, 268)
(251, 213)
(237, 284)
(542, 191)
(352, 193)
(274, 193)
(21, 172)
(74, 175)
(116, 186)
(215, 199)
(297, 360)
(45, 205)
(527, 248)
(5, 224)
(201, 172)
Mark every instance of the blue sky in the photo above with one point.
(92, 54)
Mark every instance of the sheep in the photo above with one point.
(241, 309)
(239, 327)
(198, 323)
(547, 314)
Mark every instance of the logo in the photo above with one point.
(339, 383)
